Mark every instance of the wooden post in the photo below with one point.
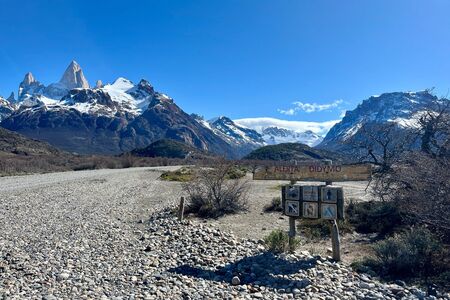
(291, 231)
(181, 209)
(335, 241)
(291, 226)
(334, 229)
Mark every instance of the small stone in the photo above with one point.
(63, 276)
(235, 280)
(365, 285)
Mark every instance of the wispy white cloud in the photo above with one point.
(258, 124)
(309, 107)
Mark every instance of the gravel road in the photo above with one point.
(103, 234)
(74, 233)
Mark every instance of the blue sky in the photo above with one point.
(293, 60)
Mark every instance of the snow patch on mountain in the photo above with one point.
(259, 124)
(276, 135)
(276, 131)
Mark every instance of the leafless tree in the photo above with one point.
(434, 129)
(413, 168)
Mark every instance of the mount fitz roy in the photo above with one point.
(114, 118)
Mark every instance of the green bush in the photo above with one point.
(275, 205)
(236, 172)
(412, 253)
(278, 241)
(180, 175)
(373, 217)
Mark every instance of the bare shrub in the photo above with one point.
(211, 194)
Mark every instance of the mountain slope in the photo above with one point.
(242, 139)
(164, 119)
(292, 152)
(170, 149)
(402, 109)
(6, 108)
(14, 143)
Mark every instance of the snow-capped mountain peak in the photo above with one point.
(121, 84)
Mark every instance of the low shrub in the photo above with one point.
(275, 205)
(181, 175)
(374, 217)
(211, 194)
(278, 242)
(236, 172)
(84, 166)
(413, 253)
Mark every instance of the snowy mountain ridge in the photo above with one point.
(401, 108)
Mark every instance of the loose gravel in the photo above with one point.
(109, 235)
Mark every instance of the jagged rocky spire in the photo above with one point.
(11, 98)
(73, 77)
(29, 79)
(29, 85)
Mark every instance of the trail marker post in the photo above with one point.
(294, 209)
(181, 210)
(314, 201)
(334, 229)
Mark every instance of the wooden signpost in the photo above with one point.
(314, 201)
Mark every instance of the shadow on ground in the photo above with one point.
(265, 269)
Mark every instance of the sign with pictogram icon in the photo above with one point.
(313, 201)
(292, 208)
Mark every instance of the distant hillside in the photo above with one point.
(170, 149)
(14, 143)
(403, 110)
(292, 151)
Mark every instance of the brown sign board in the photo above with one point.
(314, 172)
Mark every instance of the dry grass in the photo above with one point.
(11, 164)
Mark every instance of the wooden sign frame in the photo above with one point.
(315, 172)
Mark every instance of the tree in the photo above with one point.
(434, 129)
